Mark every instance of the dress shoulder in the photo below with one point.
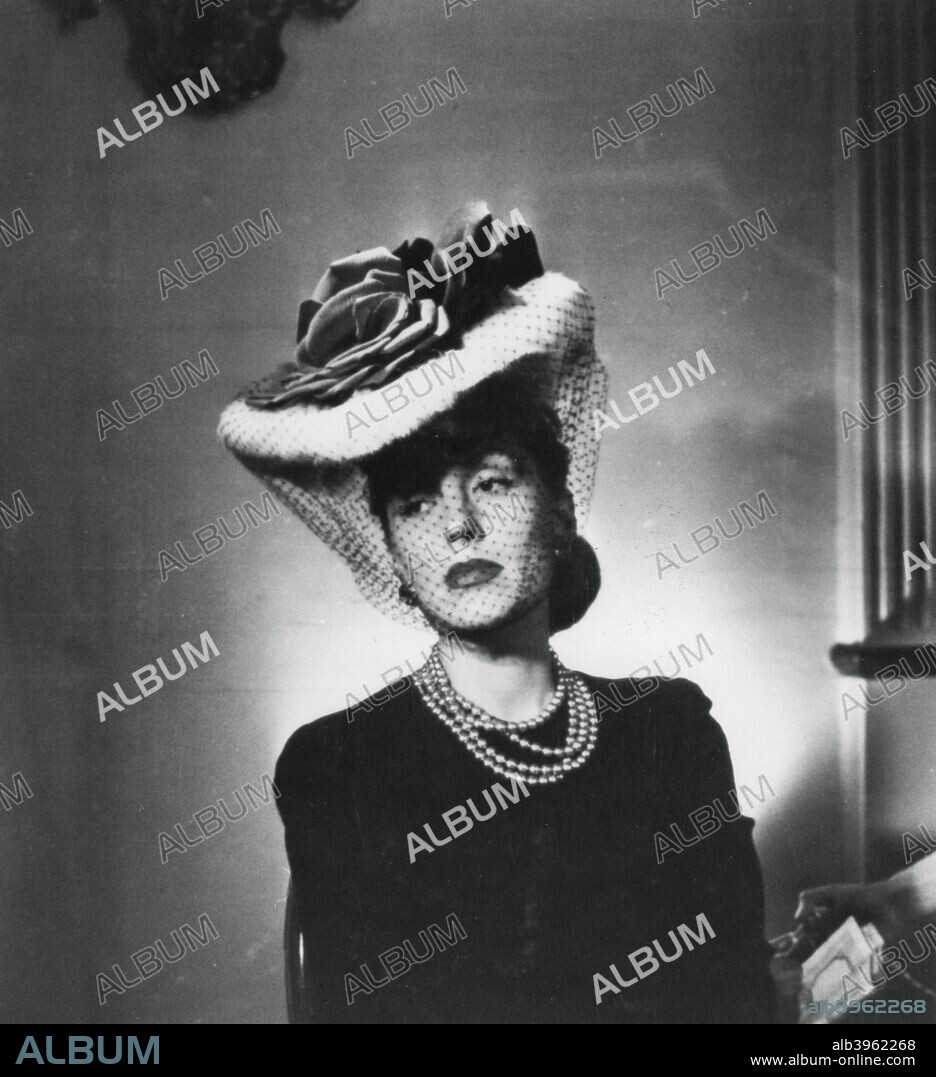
(320, 744)
(667, 724)
(674, 700)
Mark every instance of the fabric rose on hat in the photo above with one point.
(376, 314)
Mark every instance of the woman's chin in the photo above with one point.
(453, 622)
(472, 622)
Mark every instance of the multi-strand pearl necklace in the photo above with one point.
(467, 721)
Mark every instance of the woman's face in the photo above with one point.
(478, 549)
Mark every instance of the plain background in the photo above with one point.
(82, 885)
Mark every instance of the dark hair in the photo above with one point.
(504, 412)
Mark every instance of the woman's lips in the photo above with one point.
(471, 573)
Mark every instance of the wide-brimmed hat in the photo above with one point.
(389, 340)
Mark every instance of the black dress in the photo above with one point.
(519, 917)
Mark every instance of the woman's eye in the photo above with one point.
(491, 483)
(411, 508)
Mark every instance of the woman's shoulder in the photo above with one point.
(334, 736)
(676, 696)
(673, 706)
(666, 727)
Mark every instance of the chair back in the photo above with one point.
(298, 1002)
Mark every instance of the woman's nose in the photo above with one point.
(456, 499)
(460, 515)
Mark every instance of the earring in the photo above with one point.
(407, 595)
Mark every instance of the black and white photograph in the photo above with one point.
(502, 593)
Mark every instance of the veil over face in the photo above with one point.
(478, 548)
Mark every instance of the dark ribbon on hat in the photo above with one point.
(379, 313)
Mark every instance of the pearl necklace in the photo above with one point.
(467, 721)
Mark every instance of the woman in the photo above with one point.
(490, 840)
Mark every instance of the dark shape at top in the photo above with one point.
(238, 41)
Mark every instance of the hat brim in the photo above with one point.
(547, 316)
